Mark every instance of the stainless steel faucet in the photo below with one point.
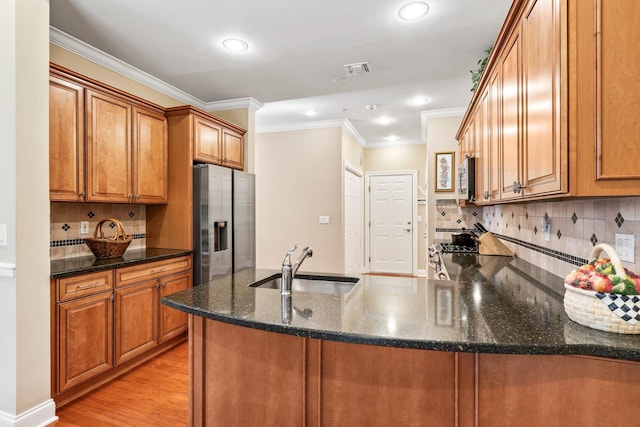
(289, 271)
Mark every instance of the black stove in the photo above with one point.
(458, 249)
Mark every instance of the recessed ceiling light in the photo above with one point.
(419, 100)
(414, 10)
(235, 45)
(371, 107)
(392, 138)
(383, 120)
(311, 113)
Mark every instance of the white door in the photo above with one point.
(391, 231)
(353, 220)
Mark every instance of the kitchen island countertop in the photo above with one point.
(492, 305)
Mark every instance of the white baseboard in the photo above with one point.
(38, 416)
(421, 273)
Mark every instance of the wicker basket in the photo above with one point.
(108, 247)
(603, 311)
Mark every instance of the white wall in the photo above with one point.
(24, 208)
(299, 178)
(441, 136)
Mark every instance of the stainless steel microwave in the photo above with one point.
(467, 180)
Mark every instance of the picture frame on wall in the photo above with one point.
(444, 179)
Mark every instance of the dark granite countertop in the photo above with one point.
(89, 264)
(492, 305)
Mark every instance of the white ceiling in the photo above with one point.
(297, 49)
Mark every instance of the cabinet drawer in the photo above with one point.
(130, 275)
(86, 284)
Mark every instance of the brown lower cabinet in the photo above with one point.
(106, 323)
(286, 380)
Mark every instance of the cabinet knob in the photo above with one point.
(517, 187)
(486, 195)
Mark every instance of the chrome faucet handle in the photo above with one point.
(287, 257)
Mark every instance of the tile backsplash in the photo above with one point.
(65, 238)
(576, 227)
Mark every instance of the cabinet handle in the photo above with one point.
(137, 197)
(131, 198)
(407, 229)
(158, 284)
(83, 194)
(157, 270)
(517, 187)
(89, 286)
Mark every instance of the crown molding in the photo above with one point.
(354, 133)
(233, 104)
(85, 50)
(444, 112)
(284, 127)
(438, 114)
(399, 143)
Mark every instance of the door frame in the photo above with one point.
(351, 168)
(414, 216)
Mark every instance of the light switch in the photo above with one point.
(324, 219)
(3, 234)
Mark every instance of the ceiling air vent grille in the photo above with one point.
(357, 69)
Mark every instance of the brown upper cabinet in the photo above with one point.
(213, 140)
(66, 140)
(559, 120)
(104, 146)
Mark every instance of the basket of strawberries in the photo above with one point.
(603, 294)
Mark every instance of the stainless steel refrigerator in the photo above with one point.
(223, 222)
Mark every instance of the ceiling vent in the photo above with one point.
(357, 69)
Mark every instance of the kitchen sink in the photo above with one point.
(313, 284)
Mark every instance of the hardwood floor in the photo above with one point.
(155, 394)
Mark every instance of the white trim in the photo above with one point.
(395, 143)
(7, 270)
(444, 112)
(414, 220)
(354, 132)
(421, 273)
(285, 127)
(40, 415)
(353, 168)
(233, 104)
(85, 50)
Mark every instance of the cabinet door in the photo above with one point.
(511, 92)
(173, 322)
(108, 148)
(482, 153)
(232, 149)
(207, 141)
(85, 339)
(543, 159)
(494, 138)
(136, 320)
(607, 157)
(66, 141)
(150, 162)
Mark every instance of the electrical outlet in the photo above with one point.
(84, 227)
(547, 233)
(625, 246)
(324, 219)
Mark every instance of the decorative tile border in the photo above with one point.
(71, 242)
(578, 261)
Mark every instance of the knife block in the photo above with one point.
(490, 245)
